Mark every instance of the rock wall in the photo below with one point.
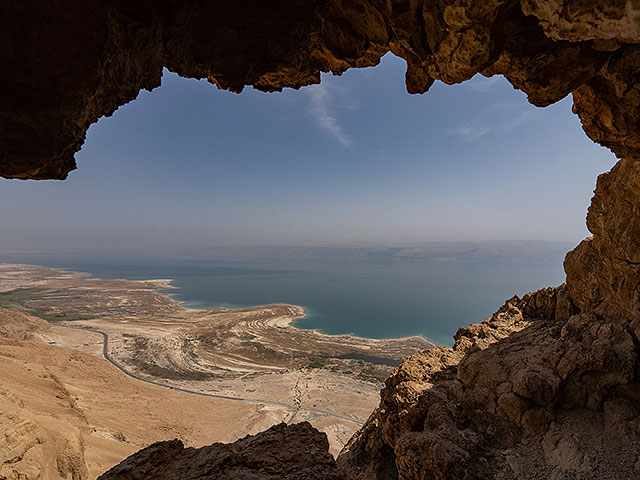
(546, 388)
(535, 391)
(603, 272)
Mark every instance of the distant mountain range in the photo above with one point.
(521, 251)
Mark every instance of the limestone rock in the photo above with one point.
(291, 452)
(603, 273)
(505, 386)
(601, 20)
(609, 103)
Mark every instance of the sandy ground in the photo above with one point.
(70, 327)
(60, 406)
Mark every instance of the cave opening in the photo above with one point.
(466, 175)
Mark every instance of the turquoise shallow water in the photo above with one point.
(371, 299)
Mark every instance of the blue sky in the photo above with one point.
(354, 159)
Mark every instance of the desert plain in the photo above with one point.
(92, 370)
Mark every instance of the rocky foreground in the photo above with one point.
(265, 456)
(535, 391)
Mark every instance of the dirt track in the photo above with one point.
(107, 357)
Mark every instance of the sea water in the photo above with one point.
(366, 298)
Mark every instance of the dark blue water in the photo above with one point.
(371, 299)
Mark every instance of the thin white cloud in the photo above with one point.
(320, 108)
(500, 118)
(468, 133)
(523, 117)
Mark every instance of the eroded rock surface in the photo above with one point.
(287, 452)
(603, 272)
(524, 394)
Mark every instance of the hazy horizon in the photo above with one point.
(426, 289)
(354, 160)
(308, 245)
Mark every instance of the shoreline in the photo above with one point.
(290, 324)
(254, 353)
(284, 324)
(156, 288)
(168, 284)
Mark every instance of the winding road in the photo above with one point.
(107, 357)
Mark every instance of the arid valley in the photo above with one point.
(93, 370)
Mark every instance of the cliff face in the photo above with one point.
(535, 391)
(546, 388)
